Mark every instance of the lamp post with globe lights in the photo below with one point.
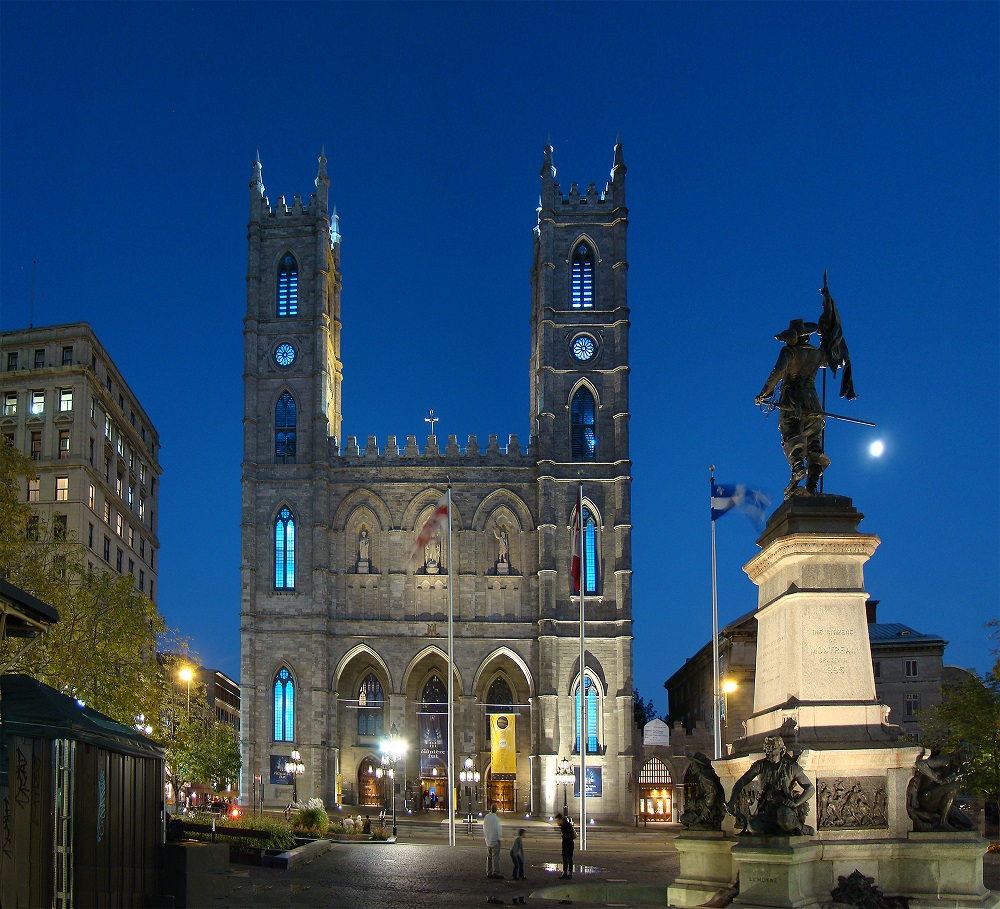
(470, 776)
(564, 775)
(393, 750)
(293, 767)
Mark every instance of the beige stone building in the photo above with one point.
(95, 450)
(344, 634)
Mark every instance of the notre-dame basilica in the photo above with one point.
(344, 630)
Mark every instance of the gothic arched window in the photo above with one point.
(499, 698)
(582, 289)
(284, 429)
(284, 550)
(288, 287)
(435, 696)
(590, 559)
(284, 707)
(593, 699)
(370, 704)
(583, 426)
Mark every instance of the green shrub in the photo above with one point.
(311, 821)
(381, 833)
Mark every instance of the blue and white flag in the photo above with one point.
(752, 502)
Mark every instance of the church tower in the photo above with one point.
(580, 414)
(292, 406)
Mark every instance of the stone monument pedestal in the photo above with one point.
(815, 688)
(707, 867)
(780, 871)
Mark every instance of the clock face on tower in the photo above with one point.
(584, 347)
(284, 354)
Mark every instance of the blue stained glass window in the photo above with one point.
(582, 284)
(288, 287)
(593, 714)
(284, 429)
(284, 707)
(590, 560)
(583, 426)
(284, 551)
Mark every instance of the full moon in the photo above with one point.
(876, 448)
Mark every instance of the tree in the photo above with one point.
(643, 711)
(970, 712)
(103, 648)
(205, 750)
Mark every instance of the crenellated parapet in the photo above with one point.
(511, 454)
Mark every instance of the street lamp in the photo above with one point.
(393, 749)
(293, 767)
(728, 687)
(186, 675)
(564, 775)
(471, 776)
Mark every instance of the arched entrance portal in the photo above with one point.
(433, 720)
(369, 784)
(499, 793)
(655, 801)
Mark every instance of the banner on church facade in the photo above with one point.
(595, 782)
(433, 743)
(503, 751)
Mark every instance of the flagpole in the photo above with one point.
(583, 681)
(451, 680)
(716, 718)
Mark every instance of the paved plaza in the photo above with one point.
(420, 871)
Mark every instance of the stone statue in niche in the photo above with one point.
(503, 549)
(785, 791)
(930, 795)
(704, 798)
(432, 555)
(364, 547)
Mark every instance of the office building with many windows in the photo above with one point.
(94, 448)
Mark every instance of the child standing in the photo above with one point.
(517, 855)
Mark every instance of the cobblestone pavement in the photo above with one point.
(420, 871)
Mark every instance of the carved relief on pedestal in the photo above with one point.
(852, 803)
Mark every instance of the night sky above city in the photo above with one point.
(765, 142)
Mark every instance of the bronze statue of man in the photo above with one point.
(785, 791)
(802, 419)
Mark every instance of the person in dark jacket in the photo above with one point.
(568, 838)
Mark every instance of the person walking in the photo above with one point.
(492, 833)
(517, 855)
(568, 837)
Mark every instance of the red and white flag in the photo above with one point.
(575, 567)
(437, 518)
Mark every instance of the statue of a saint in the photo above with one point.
(432, 553)
(704, 798)
(785, 791)
(364, 543)
(802, 417)
(930, 795)
(503, 544)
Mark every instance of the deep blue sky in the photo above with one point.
(764, 143)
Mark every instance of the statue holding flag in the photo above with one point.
(802, 417)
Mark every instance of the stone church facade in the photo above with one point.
(344, 628)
